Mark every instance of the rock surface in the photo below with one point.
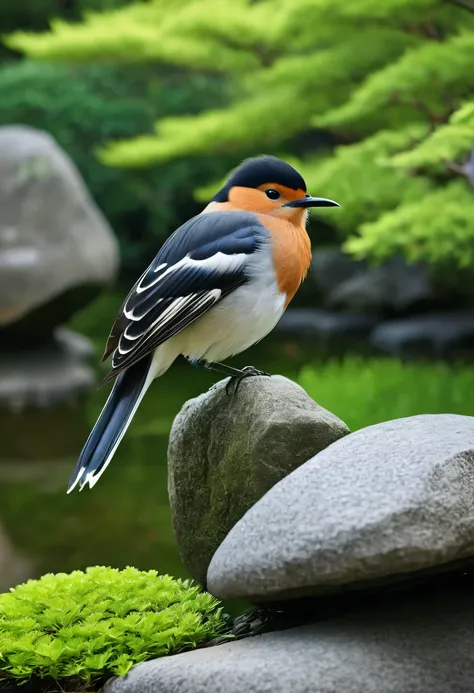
(42, 408)
(436, 335)
(384, 502)
(53, 372)
(75, 344)
(408, 646)
(53, 238)
(330, 268)
(394, 287)
(352, 286)
(225, 453)
(325, 327)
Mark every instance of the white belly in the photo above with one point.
(233, 325)
(241, 319)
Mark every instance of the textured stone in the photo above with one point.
(325, 327)
(394, 287)
(386, 501)
(51, 373)
(406, 646)
(42, 407)
(330, 268)
(225, 453)
(74, 344)
(54, 241)
(435, 335)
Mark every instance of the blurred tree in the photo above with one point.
(35, 15)
(391, 82)
(84, 106)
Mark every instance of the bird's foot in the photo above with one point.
(234, 382)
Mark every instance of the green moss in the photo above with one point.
(90, 625)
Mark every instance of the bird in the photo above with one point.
(218, 285)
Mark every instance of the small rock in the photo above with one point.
(405, 646)
(226, 452)
(42, 407)
(54, 241)
(381, 503)
(326, 329)
(392, 288)
(75, 344)
(435, 335)
(46, 375)
(330, 268)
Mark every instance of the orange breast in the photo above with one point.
(291, 253)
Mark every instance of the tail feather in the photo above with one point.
(115, 418)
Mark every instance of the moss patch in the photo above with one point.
(84, 627)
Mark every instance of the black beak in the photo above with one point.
(309, 201)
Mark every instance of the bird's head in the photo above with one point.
(267, 185)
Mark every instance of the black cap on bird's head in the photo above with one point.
(268, 170)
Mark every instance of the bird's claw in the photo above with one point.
(234, 382)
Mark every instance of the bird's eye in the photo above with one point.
(272, 194)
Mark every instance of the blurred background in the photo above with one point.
(119, 119)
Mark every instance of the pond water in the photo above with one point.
(125, 519)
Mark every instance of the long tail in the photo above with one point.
(115, 418)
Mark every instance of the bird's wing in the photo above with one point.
(201, 263)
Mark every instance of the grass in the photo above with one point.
(363, 392)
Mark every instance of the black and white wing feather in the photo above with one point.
(201, 263)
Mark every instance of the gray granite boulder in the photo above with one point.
(387, 501)
(54, 241)
(353, 286)
(55, 371)
(421, 645)
(394, 287)
(330, 268)
(42, 407)
(226, 452)
(437, 335)
(326, 328)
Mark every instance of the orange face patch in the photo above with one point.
(255, 199)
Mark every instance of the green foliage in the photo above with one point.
(265, 112)
(179, 32)
(450, 142)
(91, 625)
(409, 83)
(358, 175)
(35, 14)
(85, 106)
(388, 81)
(438, 228)
(363, 392)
